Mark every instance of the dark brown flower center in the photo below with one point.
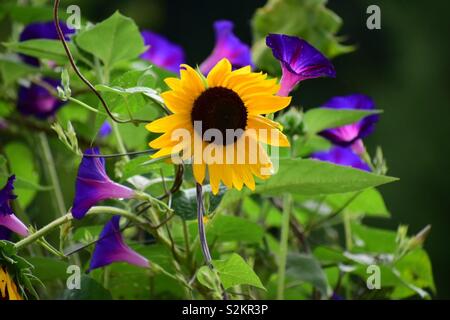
(220, 108)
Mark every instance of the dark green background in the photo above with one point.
(404, 67)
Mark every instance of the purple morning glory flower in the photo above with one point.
(37, 101)
(299, 61)
(227, 46)
(93, 185)
(7, 217)
(341, 156)
(42, 30)
(162, 52)
(105, 130)
(351, 135)
(5, 234)
(111, 248)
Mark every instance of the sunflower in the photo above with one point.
(8, 289)
(228, 104)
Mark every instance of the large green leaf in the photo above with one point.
(235, 271)
(305, 268)
(312, 177)
(126, 104)
(318, 119)
(112, 40)
(308, 19)
(43, 49)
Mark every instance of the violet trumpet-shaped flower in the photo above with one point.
(37, 101)
(5, 233)
(162, 52)
(341, 156)
(299, 61)
(351, 134)
(105, 130)
(42, 30)
(7, 217)
(93, 185)
(227, 46)
(111, 248)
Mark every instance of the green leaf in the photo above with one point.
(49, 269)
(140, 166)
(44, 49)
(312, 177)
(373, 240)
(235, 271)
(21, 163)
(318, 119)
(415, 269)
(125, 92)
(369, 202)
(90, 290)
(184, 202)
(128, 104)
(231, 228)
(305, 268)
(29, 14)
(112, 40)
(11, 70)
(308, 19)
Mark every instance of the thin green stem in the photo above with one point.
(68, 217)
(287, 206)
(120, 143)
(84, 105)
(348, 231)
(49, 162)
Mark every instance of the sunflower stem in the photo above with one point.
(287, 205)
(201, 226)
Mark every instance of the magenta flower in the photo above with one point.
(93, 185)
(351, 135)
(8, 219)
(111, 248)
(162, 52)
(227, 46)
(299, 61)
(341, 156)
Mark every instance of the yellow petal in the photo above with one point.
(218, 74)
(191, 81)
(265, 131)
(199, 172)
(248, 177)
(177, 103)
(267, 104)
(214, 177)
(237, 177)
(169, 123)
(227, 175)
